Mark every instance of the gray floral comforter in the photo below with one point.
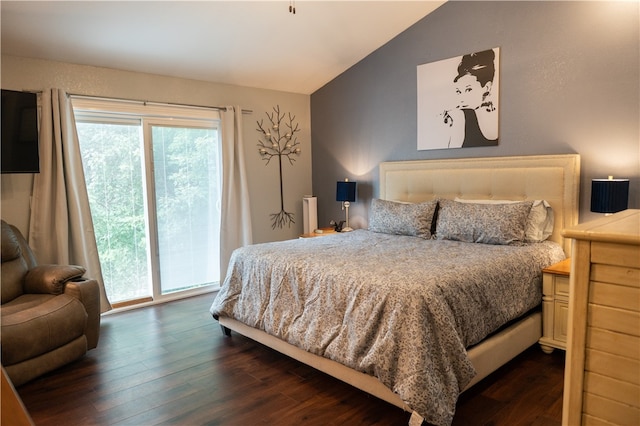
(403, 309)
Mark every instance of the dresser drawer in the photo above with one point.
(615, 254)
(629, 277)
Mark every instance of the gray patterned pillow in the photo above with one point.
(483, 223)
(391, 217)
(539, 224)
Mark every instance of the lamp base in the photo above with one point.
(346, 229)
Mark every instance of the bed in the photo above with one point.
(401, 333)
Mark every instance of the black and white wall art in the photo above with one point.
(458, 101)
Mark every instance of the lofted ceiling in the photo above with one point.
(247, 43)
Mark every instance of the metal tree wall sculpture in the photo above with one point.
(278, 139)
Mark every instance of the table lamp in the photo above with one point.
(346, 193)
(609, 195)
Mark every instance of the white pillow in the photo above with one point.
(539, 223)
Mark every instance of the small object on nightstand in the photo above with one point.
(555, 306)
(320, 232)
(337, 226)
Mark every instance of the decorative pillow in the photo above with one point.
(398, 218)
(483, 223)
(539, 223)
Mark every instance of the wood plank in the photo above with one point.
(618, 320)
(170, 364)
(607, 387)
(614, 343)
(588, 420)
(617, 296)
(614, 366)
(610, 411)
(616, 274)
(576, 337)
(620, 228)
(560, 268)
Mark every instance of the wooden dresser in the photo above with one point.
(602, 372)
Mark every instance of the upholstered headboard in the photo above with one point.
(555, 178)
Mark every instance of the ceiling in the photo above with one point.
(247, 43)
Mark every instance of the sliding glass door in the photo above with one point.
(153, 178)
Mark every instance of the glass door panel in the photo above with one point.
(113, 168)
(186, 181)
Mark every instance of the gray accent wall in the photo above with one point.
(570, 83)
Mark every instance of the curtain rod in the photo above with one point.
(244, 111)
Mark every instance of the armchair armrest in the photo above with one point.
(87, 291)
(51, 279)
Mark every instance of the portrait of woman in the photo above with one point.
(458, 101)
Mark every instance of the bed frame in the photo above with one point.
(554, 178)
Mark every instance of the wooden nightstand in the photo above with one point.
(555, 306)
(325, 231)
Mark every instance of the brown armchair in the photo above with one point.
(50, 314)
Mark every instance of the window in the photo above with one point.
(153, 175)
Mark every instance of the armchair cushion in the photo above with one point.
(51, 279)
(28, 333)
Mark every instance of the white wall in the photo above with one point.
(36, 75)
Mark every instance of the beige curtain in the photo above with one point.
(60, 226)
(235, 221)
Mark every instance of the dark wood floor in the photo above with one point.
(170, 364)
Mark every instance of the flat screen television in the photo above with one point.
(19, 132)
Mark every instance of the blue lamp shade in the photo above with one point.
(609, 195)
(346, 191)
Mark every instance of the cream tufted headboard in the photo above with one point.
(555, 178)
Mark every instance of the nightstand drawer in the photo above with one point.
(555, 306)
(561, 285)
(558, 285)
(560, 320)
